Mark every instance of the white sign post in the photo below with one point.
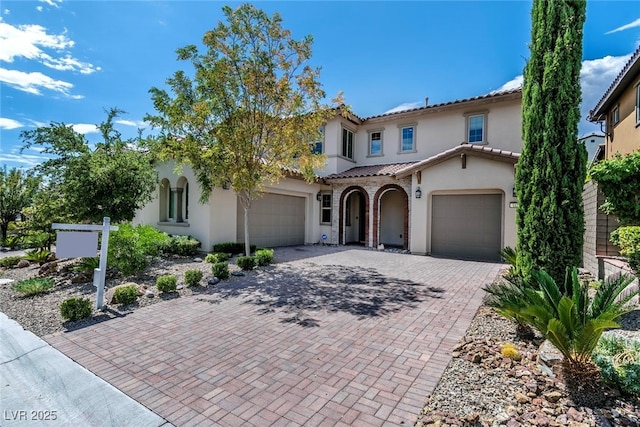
(80, 243)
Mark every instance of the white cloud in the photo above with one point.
(132, 123)
(34, 82)
(404, 107)
(54, 3)
(27, 159)
(85, 128)
(27, 41)
(7, 11)
(39, 8)
(633, 24)
(514, 83)
(37, 123)
(9, 124)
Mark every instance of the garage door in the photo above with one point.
(467, 226)
(274, 220)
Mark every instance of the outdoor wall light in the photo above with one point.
(418, 193)
(225, 185)
(319, 196)
(513, 192)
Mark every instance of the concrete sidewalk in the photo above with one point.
(41, 386)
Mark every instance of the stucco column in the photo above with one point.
(177, 194)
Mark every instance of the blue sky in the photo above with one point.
(67, 61)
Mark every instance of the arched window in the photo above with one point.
(164, 193)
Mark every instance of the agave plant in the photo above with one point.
(511, 257)
(573, 322)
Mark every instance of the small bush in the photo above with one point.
(39, 256)
(37, 240)
(232, 248)
(192, 277)
(619, 362)
(75, 308)
(35, 286)
(87, 265)
(10, 261)
(216, 257)
(511, 351)
(151, 241)
(183, 245)
(12, 242)
(220, 270)
(628, 238)
(167, 283)
(125, 252)
(264, 257)
(246, 262)
(126, 294)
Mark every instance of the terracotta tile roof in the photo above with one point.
(626, 76)
(458, 101)
(471, 149)
(372, 170)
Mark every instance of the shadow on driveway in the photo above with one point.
(361, 292)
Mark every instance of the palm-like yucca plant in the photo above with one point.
(573, 324)
(511, 257)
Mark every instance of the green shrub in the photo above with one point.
(183, 245)
(192, 277)
(126, 294)
(38, 255)
(87, 265)
(220, 270)
(10, 261)
(151, 241)
(246, 262)
(264, 257)
(232, 248)
(36, 240)
(167, 283)
(216, 257)
(628, 239)
(35, 286)
(619, 362)
(573, 324)
(75, 308)
(125, 251)
(12, 242)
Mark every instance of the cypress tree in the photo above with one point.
(551, 171)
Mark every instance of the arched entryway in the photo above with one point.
(391, 216)
(354, 216)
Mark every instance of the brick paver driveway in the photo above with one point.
(329, 336)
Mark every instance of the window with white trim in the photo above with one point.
(325, 208)
(475, 126)
(638, 104)
(318, 146)
(375, 143)
(615, 115)
(407, 139)
(347, 143)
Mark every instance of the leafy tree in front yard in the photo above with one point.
(113, 179)
(551, 171)
(249, 113)
(17, 189)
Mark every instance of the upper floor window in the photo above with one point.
(615, 115)
(475, 126)
(325, 208)
(407, 138)
(375, 143)
(318, 146)
(347, 143)
(638, 104)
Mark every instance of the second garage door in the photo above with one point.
(467, 226)
(274, 220)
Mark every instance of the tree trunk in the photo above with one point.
(245, 202)
(4, 226)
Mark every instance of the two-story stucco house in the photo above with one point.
(438, 180)
(618, 112)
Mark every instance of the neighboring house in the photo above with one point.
(618, 113)
(438, 180)
(592, 143)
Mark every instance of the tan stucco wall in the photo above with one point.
(624, 137)
(482, 176)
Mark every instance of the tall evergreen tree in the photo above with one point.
(551, 171)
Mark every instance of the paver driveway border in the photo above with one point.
(328, 336)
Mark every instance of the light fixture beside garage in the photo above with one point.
(319, 196)
(418, 193)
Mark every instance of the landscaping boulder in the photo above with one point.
(23, 263)
(51, 257)
(48, 268)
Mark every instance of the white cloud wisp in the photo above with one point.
(9, 124)
(404, 107)
(628, 26)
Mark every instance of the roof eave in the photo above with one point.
(628, 74)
